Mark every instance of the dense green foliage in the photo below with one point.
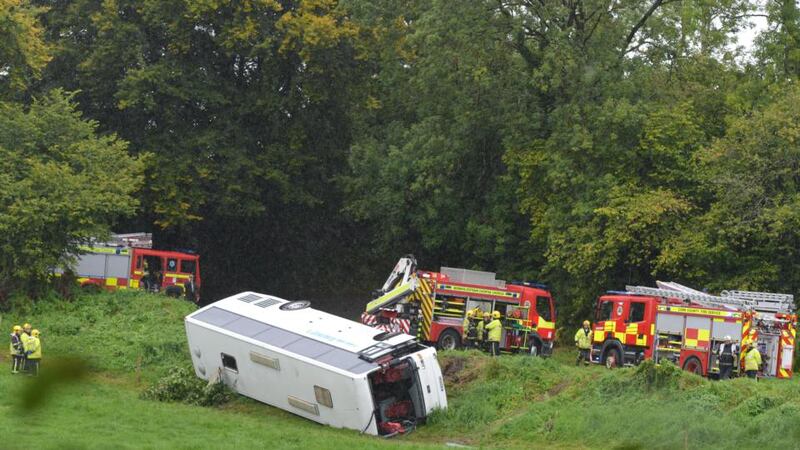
(301, 146)
(60, 184)
(182, 385)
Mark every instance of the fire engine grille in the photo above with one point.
(267, 303)
(249, 298)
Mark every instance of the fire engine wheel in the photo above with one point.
(449, 340)
(693, 365)
(536, 348)
(173, 291)
(612, 358)
(91, 288)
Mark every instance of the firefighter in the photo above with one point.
(190, 289)
(726, 356)
(583, 340)
(752, 360)
(494, 330)
(465, 337)
(34, 353)
(15, 349)
(480, 334)
(24, 338)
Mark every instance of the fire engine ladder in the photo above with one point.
(765, 301)
(696, 296)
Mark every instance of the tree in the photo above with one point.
(60, 185)
(23, 52)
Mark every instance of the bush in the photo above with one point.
(182, 385)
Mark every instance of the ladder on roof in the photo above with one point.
(766, 302)
(699, 297)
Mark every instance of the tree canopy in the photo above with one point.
(301, 146)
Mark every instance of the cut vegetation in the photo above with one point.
(130, 341)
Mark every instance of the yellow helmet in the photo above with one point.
(16, 329)
(496, 314)
(486, 314)
(586, 323)
(35, 333)
(470, 313)
(27, 326)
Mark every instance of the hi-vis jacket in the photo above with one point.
(752, 360)
(583, 339)
(495, 329)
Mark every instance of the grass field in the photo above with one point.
(129, 340)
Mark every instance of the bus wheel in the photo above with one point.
(693, 365)
(612, 358)
(449, 340)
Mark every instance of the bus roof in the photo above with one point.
(307, 332)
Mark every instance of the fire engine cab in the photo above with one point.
(129, 261)
(433, 305)
(685, 326)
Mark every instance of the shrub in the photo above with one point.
(182, 385)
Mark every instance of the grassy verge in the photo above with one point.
(101, 413)
(131, 339)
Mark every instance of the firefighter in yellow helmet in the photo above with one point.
(34, 353)
(494, 330)
(752, 360)
(480, 333)
(15, 349)
(583, 340)
(466, 340)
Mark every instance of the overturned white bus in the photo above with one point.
(319, 366)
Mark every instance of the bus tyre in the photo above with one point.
(449, 340)
(693, 365)
(612, 358)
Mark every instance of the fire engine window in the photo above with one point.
(543, 308)
(187, 266)
(323, 396)
(139, 262)
(636, 312)
(172, 264)
(229, 362)
(604, 312)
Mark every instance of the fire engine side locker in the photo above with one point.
(112, 265)
(700, 343)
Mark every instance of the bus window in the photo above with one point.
(187, 266)
(543, 308)
(604, 311)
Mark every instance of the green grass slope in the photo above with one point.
(131, 339)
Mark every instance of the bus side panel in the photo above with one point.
(294, 378)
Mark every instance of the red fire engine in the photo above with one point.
(685, 326)
(128, 261)
(432, 306)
